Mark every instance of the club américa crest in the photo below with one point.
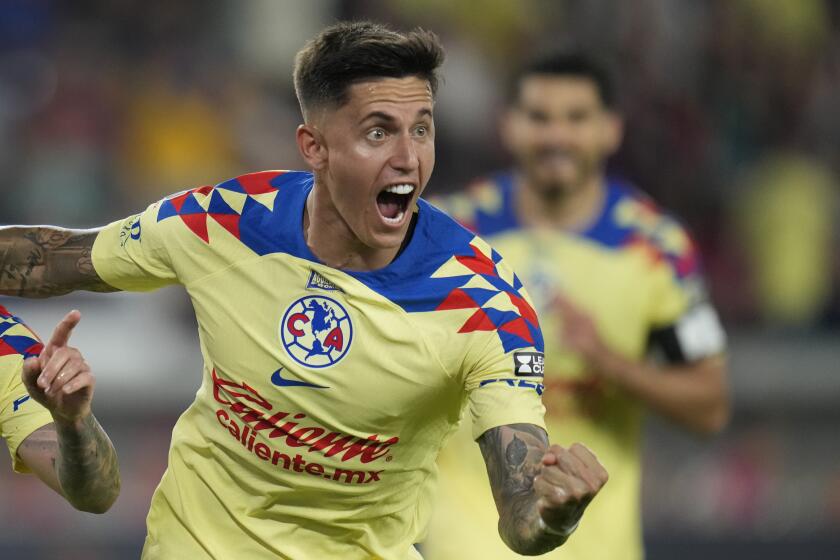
(316, 331)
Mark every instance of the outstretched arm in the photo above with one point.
(540, 491)
(73, 455)
(44, 261)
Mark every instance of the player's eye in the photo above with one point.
(421, 130)
(376, 134)
(579, 115)
(537, 117)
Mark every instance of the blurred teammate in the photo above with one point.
(614, 279)
(344, 323)
(51, 431)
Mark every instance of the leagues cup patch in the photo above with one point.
(316, 331)
(528, 363)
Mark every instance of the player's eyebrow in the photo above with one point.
(378, 115)
(383, 116)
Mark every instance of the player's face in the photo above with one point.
(560, 132)
(380, 154)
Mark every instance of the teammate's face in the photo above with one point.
(560, 132)
(379, 154)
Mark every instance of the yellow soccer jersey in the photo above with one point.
(19, 414)
(326, 394)
(636, 272)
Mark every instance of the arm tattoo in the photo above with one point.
(87, 466)
(513, 454)
(77, 461)
(44, 261)
(42, 443)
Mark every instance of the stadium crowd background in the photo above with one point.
(732, 122)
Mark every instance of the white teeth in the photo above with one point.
(400, 189)
(395, 220)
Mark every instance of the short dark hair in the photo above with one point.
(571, 62)
(350, 52)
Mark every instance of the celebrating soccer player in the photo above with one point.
(613, 278)
(51, 431)
(344, 324)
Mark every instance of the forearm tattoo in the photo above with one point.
(87, 466)
(44, 261)
(513, 454)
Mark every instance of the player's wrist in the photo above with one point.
(565, 533)
(71, 421)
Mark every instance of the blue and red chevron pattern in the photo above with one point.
(629, 220)
(498, 304)
(16, 338)
(226, 203)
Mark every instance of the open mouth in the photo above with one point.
(555, 156)
(393, 202)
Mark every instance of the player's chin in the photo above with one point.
(384, 240)
(559, 183)
(383, 235)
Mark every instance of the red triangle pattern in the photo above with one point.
(519, 328)
(258, 183)
(687, 263)
(478, 322)
(228, 221)
(178, 201)
(35, 349)
(6, 350)
(479, 264)
(525, 309)
(197, 224)
(457, 299)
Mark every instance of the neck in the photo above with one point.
(569, 210)
(332, 241)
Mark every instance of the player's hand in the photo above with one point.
(60, 378)
(567, 482)
(579, 334)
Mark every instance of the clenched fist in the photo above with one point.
(60, 378)
(567, 482)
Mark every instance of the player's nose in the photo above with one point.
(404, 156)
(557, 133)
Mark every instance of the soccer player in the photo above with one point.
(614, 278)
(344, 323)
(51, 431)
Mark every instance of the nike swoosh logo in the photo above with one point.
(281, 381)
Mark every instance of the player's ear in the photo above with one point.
(613, 131)
(508, 128)
(312, 146)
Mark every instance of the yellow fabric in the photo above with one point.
(628, 289)
(786, 213)
(242, 481)
(20, 415)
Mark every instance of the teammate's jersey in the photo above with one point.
(326, 394)
(20, 415)
(635, 271)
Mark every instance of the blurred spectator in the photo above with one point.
(176, 134)
(786, 214)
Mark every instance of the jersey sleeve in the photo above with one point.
(505, 388)
(504, 363)
(132, 255)
(20, 415)
(684, 324)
